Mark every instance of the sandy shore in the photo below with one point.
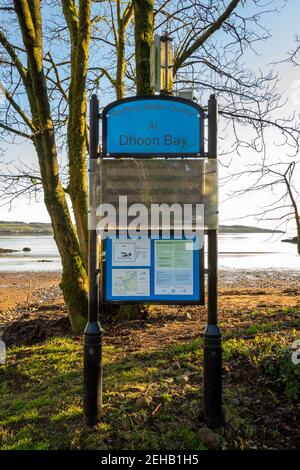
(276, 287)
(20, 288)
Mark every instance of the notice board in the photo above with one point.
(153, 270)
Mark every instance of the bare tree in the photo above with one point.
(27, 77)
(112, 35)
(280, 180)
(46, 74)
(276, 176)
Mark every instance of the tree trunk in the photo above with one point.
(74, 282)
(79, 28)
(74, 278)
(123, 20)
(121, 63)
(143, 32)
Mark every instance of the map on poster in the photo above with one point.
(130, 282)
(154, 270)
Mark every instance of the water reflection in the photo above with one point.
(236, 251)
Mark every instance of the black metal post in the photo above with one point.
(92, 398)
(212, 334)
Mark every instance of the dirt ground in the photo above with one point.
(236, 287)
(20, 288)
(34, 303)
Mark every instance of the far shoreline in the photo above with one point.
(18, 228)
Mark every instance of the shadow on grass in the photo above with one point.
(45, 410)
(26, 332)
(41, 395)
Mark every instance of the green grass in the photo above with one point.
(41, 390)
(41, 395)
(260, 328)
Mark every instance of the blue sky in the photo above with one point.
(283, 27)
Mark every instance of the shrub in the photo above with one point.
(285, 375)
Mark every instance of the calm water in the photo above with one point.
(42, 257)
(242, 251)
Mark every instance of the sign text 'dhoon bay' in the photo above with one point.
(153, 126)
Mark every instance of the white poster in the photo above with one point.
(173, 267)
(130, 282)
(131, 252)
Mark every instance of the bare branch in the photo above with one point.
(205, 36)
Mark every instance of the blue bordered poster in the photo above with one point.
(153, 270)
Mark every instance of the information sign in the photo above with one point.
(153, 125)
(153, 270)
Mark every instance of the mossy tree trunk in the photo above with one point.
(74, 278)
(119, 27)
(79, 28)
(143, 33)
(123, 20)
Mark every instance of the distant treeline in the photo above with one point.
(40, 228)
(23, 228)
(246, 229)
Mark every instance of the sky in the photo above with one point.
(283, 27)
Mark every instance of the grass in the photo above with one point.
(41, 393)
(41, 389)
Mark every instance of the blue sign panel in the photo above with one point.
(153, 125)
(153, 270)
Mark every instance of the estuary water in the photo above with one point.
(250, 251)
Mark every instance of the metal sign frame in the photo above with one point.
(212, 370)
(137, 99)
